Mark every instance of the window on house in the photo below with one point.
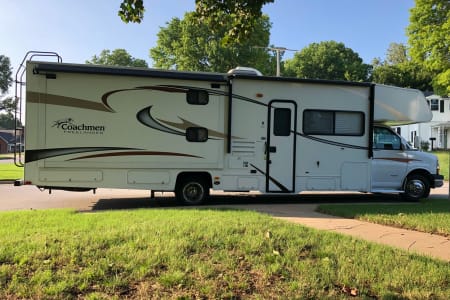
(327, 122)
(197, 97)
(434, 104)
(441, 106)
(196, 134)
(282, 122)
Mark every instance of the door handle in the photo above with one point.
(271, 149)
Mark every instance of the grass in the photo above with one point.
(443, 157)
(9, 171)
(432, 216)
(200, 254)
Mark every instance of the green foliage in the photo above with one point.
(5, 74)
(243, 13)
(432, 216)
(399, 70)
(429, 40)
(9, 105)
(186, 45)
(7, 119)
(406, 74)
(243, 16)
(118, 57)
(132, 11)
(327, 60)
(201, 254)
(397, 53)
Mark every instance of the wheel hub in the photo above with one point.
(416, 188)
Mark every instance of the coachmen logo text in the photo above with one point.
(69, 125)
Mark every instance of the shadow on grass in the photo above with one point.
(242, 200)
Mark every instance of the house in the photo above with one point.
(8, 141)
(436, 132)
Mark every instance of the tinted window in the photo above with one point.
(282, 122)
(196, 134)
(329, 122)
(197, 97)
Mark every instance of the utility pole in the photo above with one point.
(280, 51)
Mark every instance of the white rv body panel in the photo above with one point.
(400, 106)
(93, 126)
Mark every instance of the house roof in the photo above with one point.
(8, 136)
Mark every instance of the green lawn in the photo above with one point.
(9, 171)
(432, 216)
(443, 162)
(200, 254)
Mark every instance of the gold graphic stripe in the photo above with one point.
(43, 98)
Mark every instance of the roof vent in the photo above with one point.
(245, 71)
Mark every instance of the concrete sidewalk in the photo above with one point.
(409, 240)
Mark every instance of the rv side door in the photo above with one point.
(390, 162)
(280, 147)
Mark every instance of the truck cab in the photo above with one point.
(398, 167)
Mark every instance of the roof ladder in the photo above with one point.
(19, 83)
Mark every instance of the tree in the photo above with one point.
(7, 119)
(118, 57)
(429, 40)
(397, 53)
(243, 13)
(398, 69)
(327, 60)
(5, 74)
(406, 74)
(185, 45)
(7, 104)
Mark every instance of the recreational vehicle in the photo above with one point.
(90, 126)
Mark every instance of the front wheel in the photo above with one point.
(416, 187)
(192, 191)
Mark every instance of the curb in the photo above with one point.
(7, 181)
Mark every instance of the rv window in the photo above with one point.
(349, 123)
(196, 134)
(318, 122)
(197, 97)
(282, 122)
(328, 122)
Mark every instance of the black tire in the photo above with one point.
(416, 188)
(192, 191)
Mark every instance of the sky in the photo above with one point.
(77, 30)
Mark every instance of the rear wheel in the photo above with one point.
(416, 187)
(192, 191)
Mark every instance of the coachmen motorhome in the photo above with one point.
(90, 126)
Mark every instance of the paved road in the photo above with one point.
(29, 197)
(6, 161)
